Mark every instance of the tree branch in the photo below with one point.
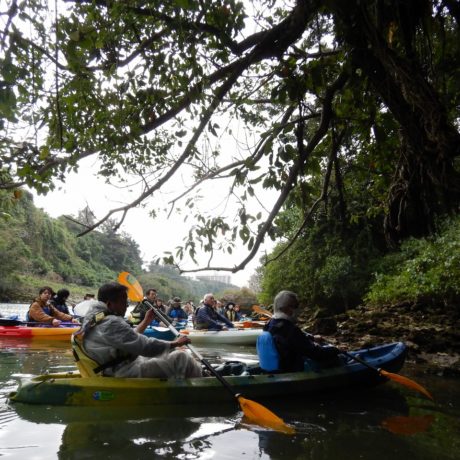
(226, 86)
(295, 170)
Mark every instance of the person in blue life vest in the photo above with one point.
(42, 311)
(283, 346)
(206, 317)
(123, 351)
(175, 312)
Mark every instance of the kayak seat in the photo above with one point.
(85, 364)
(231, 368)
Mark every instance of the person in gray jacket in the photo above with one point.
(123, 351)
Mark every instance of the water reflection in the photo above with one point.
(409, 425)
(339, 426)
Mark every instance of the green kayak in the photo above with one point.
(70, 389)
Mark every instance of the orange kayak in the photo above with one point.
(37, 332)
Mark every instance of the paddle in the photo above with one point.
(253, 411)
(389, 375)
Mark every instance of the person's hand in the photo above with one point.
(149, 316)
(75, 321)
(180, 341)
(55, 322)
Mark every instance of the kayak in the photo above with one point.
(159, 332)
(38, 332)
(204, 337)
(70, 389)
(230, 337)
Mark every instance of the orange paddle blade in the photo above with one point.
(260, 415)
(135, 292)
(262, 311)
(407, 382)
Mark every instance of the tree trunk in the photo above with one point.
(426, 183)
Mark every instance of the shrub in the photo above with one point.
(427, 268)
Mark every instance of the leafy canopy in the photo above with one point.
(260, 96)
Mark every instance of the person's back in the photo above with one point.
(292, 345)
(60, 299)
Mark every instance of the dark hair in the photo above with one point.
(110, 292)
(46, 288)
(62, 294)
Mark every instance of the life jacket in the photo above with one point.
(138, 313)
(269, 359)
(46, 308)
(177, 313)
(87, 366)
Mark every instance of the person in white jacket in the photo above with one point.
(123, 351)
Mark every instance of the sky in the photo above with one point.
(154, 236)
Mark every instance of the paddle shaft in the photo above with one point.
(208, 366)
(361, 361)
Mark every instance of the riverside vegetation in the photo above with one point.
(38, 250)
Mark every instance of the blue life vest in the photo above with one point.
(46, 309)
(177, 313)
(269, 359)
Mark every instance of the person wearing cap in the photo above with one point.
(139, 311)
(283, 346)
(175, 311)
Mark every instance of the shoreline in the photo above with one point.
(428, 331)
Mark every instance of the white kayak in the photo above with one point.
(232, 336)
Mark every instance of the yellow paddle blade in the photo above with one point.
(260, 415)
(135, 292)
(406, 382)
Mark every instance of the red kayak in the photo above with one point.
(37, 332)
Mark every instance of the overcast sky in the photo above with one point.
(153, 236)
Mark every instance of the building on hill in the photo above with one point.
(227, 279)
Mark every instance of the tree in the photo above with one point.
(158, 87)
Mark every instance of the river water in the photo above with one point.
(386, 422)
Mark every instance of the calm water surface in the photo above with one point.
(387, 422)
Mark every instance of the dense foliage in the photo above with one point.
(32, 243)
(333, 272)
(287, 97)
(36, 249)
(425, 270)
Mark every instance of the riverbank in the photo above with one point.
(430, 332)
